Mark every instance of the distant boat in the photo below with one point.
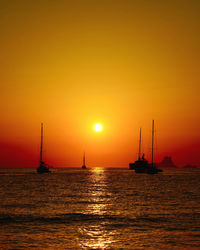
(84, 166)
(43, 168)
(142, 165)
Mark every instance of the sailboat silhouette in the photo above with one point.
(142, 165)
(43, 168)
(84, 166)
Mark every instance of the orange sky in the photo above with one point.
(70, 64)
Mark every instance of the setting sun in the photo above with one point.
(98, 127)
(100, 124)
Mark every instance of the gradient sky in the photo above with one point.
(70, 64)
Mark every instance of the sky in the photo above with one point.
(122, 63)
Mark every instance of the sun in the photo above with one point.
(98, 127)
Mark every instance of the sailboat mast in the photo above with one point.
(84, 159)
(41, 145)
(152, 140)
(140, 145)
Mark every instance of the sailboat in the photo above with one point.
(142, 165)
(84, 166)
(43, 168)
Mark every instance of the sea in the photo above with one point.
(99, 208)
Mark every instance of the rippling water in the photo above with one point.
(99, 209)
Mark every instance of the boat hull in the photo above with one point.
(43, 168)
(143, 167)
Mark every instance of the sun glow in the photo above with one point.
(98, 127)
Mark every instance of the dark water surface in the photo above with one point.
(99, 209)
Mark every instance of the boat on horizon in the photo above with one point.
(142, 165)
(43, 167)
(84, 166)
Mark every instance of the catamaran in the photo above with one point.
(43, 167)
(142, 165)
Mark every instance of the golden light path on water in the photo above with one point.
(98, 192)
(96, 236)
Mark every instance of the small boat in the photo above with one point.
(84, 166)
(142, 165)
(43, 167)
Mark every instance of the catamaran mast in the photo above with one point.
(140, 145)
(41, 145)
(152, 140)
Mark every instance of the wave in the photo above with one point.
(76, 217)
(139, 223)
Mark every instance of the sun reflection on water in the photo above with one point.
(96, 237)
(95, 234)
(98, 198)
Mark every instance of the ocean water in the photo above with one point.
(99, 209)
